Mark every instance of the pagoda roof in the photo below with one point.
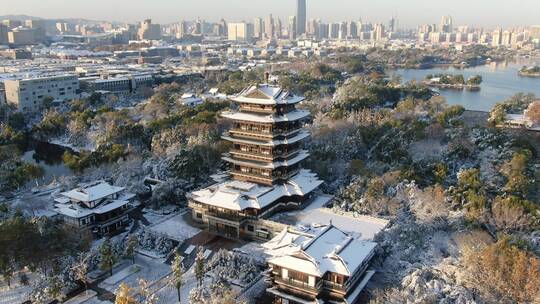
(266, 95)
(239, 195)
(269, 143)
(303, 154)
(262, 118)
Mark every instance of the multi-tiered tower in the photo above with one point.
(266, 157)
(266, 135)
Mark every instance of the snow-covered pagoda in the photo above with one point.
(266, 172)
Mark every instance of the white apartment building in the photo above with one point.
(240, 31)
(28, 94)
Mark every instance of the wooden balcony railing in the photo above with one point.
(262, 134)
(333, 285)
(262, 156)
(300, 284)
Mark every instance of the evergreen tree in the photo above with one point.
(200, 269)
(107, 256)
(6, 269)
(132, 244)
(177, 279)
(54, 288)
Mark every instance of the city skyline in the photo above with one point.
(478, 13)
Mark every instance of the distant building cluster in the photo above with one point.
(54, 61)
(447, 33)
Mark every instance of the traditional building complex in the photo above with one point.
(97, 207)
(320, 265)
(265, 166)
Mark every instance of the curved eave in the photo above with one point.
(289, 100)
(271, 143)
(259, 118)
(303, 154)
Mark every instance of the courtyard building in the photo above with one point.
(98, 208)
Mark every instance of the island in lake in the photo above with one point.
(457, 82)
(530, 71)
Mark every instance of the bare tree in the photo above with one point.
(148, 297)
(80, 270)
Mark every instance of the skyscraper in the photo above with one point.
(291, 29)
(300, 17)
(258, 27)
(269, 26)
(447, 24)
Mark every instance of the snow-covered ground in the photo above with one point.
(149, 269)
(16, 294)
(175, 227)
(86, 297)
(366, 227)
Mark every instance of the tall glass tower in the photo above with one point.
(300, 17)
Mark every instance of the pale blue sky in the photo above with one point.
(410, 12)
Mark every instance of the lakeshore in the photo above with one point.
(500, 82)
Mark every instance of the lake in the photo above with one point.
(500, 82)
(49, 157)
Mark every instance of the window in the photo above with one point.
(250, 228)
(198, 215)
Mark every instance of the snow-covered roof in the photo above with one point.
(266, 95)
(303, 154)
(332, 250)
(92, 192)
(109, 207)
(271, 143)
(237, 195)
(262, 118)
(75, 210)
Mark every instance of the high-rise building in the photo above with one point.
(342, 34)
(506, 38)
(181, 29)
(300, 17)
(352, 30)
(223, 25)
(269, 26)
(392, 24)
(379, 32)
(39, 28)
(3, 34)
(323, 30)
(149, 31)
(22, 36)
(333, 30)
(198, 27)
(447, 24)
(292, 28)
(534, 32)
(258, 28)
(278, 28)
(496, 39)
(313, 28)
(240, 31)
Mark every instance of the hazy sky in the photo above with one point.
(409, 12)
